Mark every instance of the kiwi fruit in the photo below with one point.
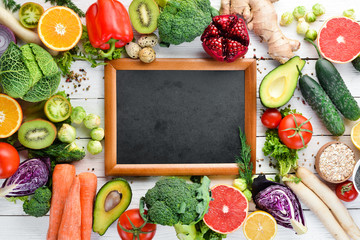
(144, 15)
(37, 134)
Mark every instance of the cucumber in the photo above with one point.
(356, 63)
(335, 87)
(320, 102)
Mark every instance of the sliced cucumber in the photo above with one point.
(57, 108)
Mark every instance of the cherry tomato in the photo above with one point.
(271, 118)
(346, 191)
(134, 216)
(9, 160)
(295, 131)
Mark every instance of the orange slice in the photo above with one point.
(10, 116)
(260, 225)
(60, 28)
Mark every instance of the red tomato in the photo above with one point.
(295, 131)
(134, 216)
(271, 118)
(9, 160)
(346, 191)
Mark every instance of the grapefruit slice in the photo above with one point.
(228, 211)
(339, 40)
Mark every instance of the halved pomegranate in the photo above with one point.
(226, 38)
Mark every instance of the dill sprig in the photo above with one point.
(11, 5)
(243, 160)
(67, 3)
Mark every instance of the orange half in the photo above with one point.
(60, 28)
(10, 116)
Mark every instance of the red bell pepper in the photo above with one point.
(108, 25)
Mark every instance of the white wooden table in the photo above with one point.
(14, 224)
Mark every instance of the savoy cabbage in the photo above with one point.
(29, 72)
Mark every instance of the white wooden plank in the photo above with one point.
(36, 228)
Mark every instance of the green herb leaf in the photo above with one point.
(11, 5)
(243, 160)
(287, 110)
(67, 3)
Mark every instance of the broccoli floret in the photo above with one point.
(197, 231)
(173, 200)
(39, 204)
(42, 194)
(183, 20)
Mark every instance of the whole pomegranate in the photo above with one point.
(226, 38)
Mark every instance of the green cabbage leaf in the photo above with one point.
(29, 73)
(14, 75)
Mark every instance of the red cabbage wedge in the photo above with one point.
(31, 174)
(280, 201)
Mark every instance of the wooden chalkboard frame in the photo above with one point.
(114, 169)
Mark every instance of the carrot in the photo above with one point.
(88, 187)
(63, 177)
(331, 200)
(70, 227)
(318, 207)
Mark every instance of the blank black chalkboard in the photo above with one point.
(179, 116)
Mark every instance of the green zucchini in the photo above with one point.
(335, 87)
(320, 102)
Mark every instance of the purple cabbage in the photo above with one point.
(31, 174)
(278, 200)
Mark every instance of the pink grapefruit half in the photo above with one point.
(228, 209)
(339, 39)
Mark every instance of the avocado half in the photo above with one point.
(111, 201)
(278, 86)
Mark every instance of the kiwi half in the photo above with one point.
(37, 134)
(144, 15)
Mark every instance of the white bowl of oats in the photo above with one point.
(335, 162)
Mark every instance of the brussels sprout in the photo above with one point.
(310, 17)
(92, 121)
(311, 34)
(78, 114)
(240, 184)
(350, 13)
(67, 133)
(302, 26)
(318, 9)
(73, 146)
(94, 147)
(299, 12)
(286, 19)
(97, 134)
(247, 194)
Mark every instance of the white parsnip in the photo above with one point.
(331, 200)
(261, 17)
(28, 36)
(318, 207)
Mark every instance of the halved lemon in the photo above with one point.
(10, 116)
(60, 28)
(355, 135)
(260, 225)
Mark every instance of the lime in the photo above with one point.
(57, 108)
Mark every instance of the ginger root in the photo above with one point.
(261, 17)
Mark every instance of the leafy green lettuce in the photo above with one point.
(286, 158)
